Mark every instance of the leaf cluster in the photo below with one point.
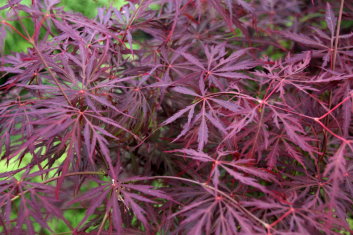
(178, 117)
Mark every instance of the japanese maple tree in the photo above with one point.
(178, 117)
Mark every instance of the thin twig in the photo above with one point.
(235, 202)
(57, 177)
(51, 72)
(337, 35)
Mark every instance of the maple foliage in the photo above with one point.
(224, 117)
